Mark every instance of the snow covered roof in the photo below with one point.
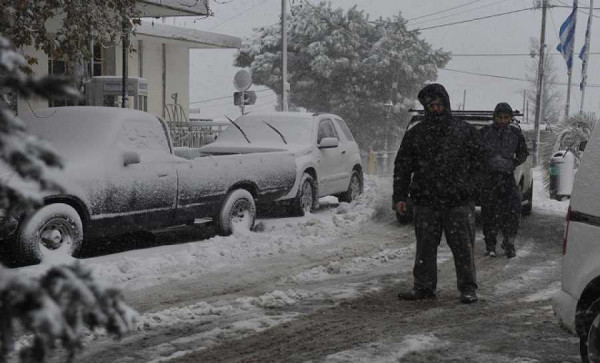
(192, 38)
(156, 8)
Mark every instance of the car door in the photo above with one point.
(142, 186)
(329, 160)
(350, 154)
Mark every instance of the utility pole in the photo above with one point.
(569, 70)
(125, 41)
(540, 85)
(586, 56)
(464, 99)
(284, 92)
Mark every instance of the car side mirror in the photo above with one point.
(328, 143)
(131, 157)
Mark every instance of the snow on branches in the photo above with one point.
(24, 159)
(58, 307)
(342, 62)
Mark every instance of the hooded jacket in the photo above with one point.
(439, 158)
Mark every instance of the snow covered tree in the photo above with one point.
(64, 301)
(23, 155)
(552, 103)
(344, 63)
(26, 24)
(57, 307)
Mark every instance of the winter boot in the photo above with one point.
(490, 252)
(468, 297)
(508, 245)
(417, 294)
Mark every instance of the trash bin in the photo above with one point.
(562, 172)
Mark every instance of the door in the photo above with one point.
(142, 186)
(329, 167)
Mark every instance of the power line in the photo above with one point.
(226, 97)
(474, 19)
(237, 15)
(442, 11)
(504, 77)
(460, 13)
(504, 54)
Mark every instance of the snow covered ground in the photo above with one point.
(324, 276)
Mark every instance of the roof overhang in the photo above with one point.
(160, 8)
(191, 38)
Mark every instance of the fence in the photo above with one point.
(195, 133)
(379, 162)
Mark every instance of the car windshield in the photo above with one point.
(296, 130)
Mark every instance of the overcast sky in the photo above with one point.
(212, 71)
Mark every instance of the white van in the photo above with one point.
(577, 304)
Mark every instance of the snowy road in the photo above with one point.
(322, 288)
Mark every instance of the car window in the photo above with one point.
(142, 135)
(326, 129)
(345, 129)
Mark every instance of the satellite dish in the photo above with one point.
(242, 80)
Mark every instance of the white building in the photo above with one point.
(160, 58)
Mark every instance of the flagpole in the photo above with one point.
(586, 54)
(570, 66)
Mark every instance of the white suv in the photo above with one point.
(327, 157)
(578, 303)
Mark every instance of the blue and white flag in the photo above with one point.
(583, 54)
(567, 37)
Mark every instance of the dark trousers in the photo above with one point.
(458, 225)
(500, 210)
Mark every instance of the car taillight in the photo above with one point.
(566, 236)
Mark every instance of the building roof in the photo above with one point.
(192, 38)
(158, 8)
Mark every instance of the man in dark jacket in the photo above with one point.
(505, 148)
(436, 164)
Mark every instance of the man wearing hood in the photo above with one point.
(505, 148)
(437, 164)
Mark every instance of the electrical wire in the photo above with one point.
(474, 19)
(237, 15)
(506, 77)
(442, 11)
(460, 13)
(225, 97)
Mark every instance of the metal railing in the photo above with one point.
(195, 133)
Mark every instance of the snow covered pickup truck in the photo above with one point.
(121, 176)
(479, 119)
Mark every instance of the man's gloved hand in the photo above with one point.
(400, 207)
(502, 165)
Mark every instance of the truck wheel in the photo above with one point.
(526, 209)
(237, 213)
(589, 343)
(354, 189)
(304, 201)
(53, 232)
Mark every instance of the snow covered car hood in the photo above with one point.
(235, 148)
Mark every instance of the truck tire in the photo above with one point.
(238, 212)
(52, 232)
(304, 202)
(526, 209)
(355, 188)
